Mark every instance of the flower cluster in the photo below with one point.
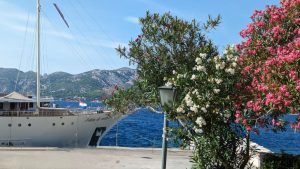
(208, 84)
(269, 57)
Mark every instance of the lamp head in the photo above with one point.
(167, 95)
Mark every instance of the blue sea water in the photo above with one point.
(287, 141)
(140, 129)
(144, 129)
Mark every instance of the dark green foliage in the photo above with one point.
(212, 23)
(166, 43)
(281, 161)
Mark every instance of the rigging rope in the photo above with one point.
(85, 37)
(30, 61)
(78, 43)
(70, 45)
(88, 41)
(98, 24)
(22, 52)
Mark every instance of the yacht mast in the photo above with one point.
(38, 53)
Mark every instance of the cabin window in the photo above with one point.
(1, 106)
(29, 124)
(30, 105)
(44, 104)
(24, 106)
(53, 124)
(62, 124)
(9, 125)
(12, 106)
(19, 125)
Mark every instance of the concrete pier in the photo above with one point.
(97, 158)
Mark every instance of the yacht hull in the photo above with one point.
(79, 130)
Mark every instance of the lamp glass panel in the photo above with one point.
(166, 96)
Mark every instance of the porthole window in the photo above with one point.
(72, 123)
(62, 124)
(19, 125)
(53, 124)
(9, 125)
(29, 124)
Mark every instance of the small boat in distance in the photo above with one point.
(28, 121)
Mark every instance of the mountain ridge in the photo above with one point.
(91, 84)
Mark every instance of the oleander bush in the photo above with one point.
(221, 98)
(174, 52)
(269, 58)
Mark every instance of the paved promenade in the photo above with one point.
(98, 158)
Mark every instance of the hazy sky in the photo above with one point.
(98, 26)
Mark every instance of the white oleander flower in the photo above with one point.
(194, 108)
(222, 65)
(201, 68)
(189, 103)
(179, 76)
(188, 100)
(193, 77)
(198, 61)
(225, 51)
(218, 81)
(218, 66)
(187, 97)
(230, 70)
(216, 58)
(174, 72)
(198, 131)
(207, 105)
(196, 92)
(235, 58)
(169, 83)
(234, 64)
(216, 91)
(203, 109)
(179, 110)
(203, 55)
(165, 78)
(230, 57)
(200, 121)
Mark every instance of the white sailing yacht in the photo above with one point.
(27, 121)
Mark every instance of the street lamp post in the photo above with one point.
(167, 97)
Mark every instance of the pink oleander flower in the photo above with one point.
(269, 63)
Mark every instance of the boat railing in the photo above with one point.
(88, 110)
(16, 112)
(42, 112)
(46, 111)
